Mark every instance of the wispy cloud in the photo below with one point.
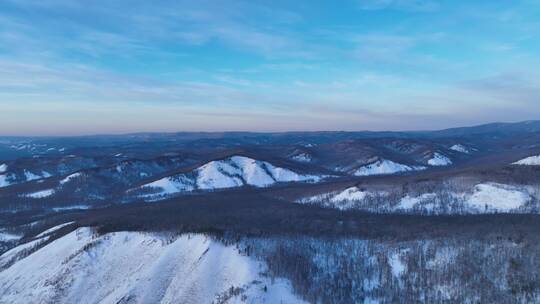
(282, 65)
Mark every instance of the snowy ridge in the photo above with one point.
(84, 268)
(529, 161)
(439, 160)
(484, 198)
(343, 200)
(171, 185)
(235, 171)
(53, 229)
(384, 166)
(40, 194)
(460, 148)
(68, 178)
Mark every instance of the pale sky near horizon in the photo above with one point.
(70, 67)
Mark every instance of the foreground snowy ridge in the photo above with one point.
(235, 171)
(133, 267)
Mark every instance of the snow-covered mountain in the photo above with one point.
(122, 267)
(384, 166)
(235, 171)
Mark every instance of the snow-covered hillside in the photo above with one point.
(529, 161)
(235, 171)
(460, 148)
(343, 200)
(384, 166)
(483, 198)
(439, 159)
(123, 267)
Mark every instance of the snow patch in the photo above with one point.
(497, 197)
(302, 158)
(460, 148)
(439, 160)
(40, 194)
(9, 237)
(396, 265)
(408, 202)
(30, 176)
(384, 166)
(72, 207)
(529, 161)
(3, 168)
(4, 182)
(350, 194)
(70, 177)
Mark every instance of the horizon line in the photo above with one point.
(267, 132)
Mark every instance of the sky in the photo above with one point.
(72, 67)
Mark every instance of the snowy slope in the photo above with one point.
(343, 200)
(40, 194)
(82, 267)
(385, 166)
(8, 237)
(302, 158)
(3, 168)
(439, 160)
(235, 171)
(18, 252)
(497, 197)
(484, 198)
(460, 148)
(409, 202)
(171, 185)
(529, 161)
(70, 177)
(4, 180)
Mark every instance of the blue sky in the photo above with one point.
(84, 67)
